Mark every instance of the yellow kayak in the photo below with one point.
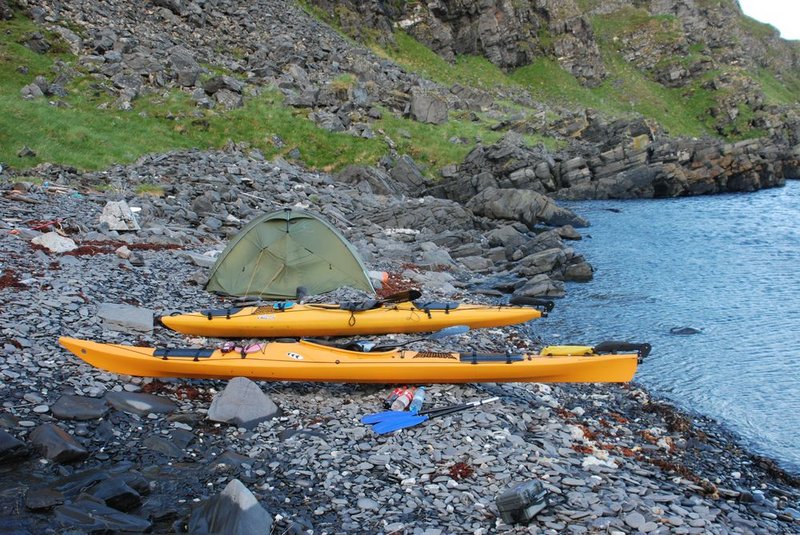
(311, 361)
(301, 320)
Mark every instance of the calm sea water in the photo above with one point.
(726, 264)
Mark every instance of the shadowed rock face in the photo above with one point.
(235, 510)
(509, 34)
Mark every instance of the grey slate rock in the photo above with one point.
(93, 516)
(235, 511)
(57, 445)
(406, 172)
(138, 403)
(119, 216)
(69, 407)
(231, 458)
(11, 448)
(55, 242)
(635, 520)
(199, 259)
(242, 403)
(217, 83)
(73, 484)
(163, 446)
(184, 66)
(228, 99)
(428, 107)
(40, 499)
(121, 317)
(116, 493)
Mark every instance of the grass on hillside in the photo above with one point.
(88, 132)
(474, 71)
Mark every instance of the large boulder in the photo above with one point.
(119, 216)
(184, 67)
(235, 511)
(57, 445)
(408, 174)
(528, 207)
(11, 449)
(54, 242)
(427, 107)
(428, 214)
(372, 180)
(242, 403)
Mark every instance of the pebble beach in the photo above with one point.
(82, 450)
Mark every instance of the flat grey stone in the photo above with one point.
(635, 520)
(55, 242)
(242, 403)
(93, 516)
(368, 504)
(199, 259)
(138, 403)
(69, 407)
(163, 446)
(118, 216)
(120, 317)
(40, 499)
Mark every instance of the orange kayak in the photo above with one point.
(296, 320)
(311, 361)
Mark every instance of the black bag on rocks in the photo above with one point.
(522, 503)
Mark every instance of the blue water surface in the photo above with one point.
(726, 264)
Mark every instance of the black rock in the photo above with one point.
(685, 330)
(182, 438)
(235, 511)
(73, 484)
(40, 499)
(57, 445)
(11, 449)
(116, 493)
(69, 407)
(94, 516)
(163, 446)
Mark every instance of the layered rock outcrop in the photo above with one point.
(633, 162)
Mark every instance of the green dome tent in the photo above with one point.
(280, 251)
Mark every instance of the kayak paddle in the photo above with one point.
(401, 297)
(396, 423)
(390, 415)
(436, 335)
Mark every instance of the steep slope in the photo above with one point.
(610, 90)
(735, 76)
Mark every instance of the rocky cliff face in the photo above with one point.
(693, 44)
(509, 34)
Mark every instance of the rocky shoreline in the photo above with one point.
(82, 450)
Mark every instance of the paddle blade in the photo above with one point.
(402, 297)
(449, 331)
(382, 416)
(395, 424)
